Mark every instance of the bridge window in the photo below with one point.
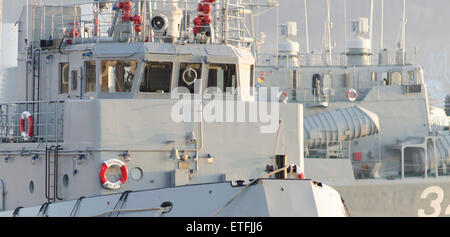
(188, 74)
(157, 77)
(411, 75)
(252, 76)
(74, 80)
(252, 79)
(222, 76)
(91, 74)
(64, 78)
(117, 76)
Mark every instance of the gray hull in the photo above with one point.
(266, 198)
(397, 198)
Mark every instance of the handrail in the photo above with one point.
(82, 23)
(47, 119)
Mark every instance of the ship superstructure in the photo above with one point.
(386, 162)
(115, 103)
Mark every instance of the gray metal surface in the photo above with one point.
(266, 198)
(396, 198)
(386, 170)
(79, 130)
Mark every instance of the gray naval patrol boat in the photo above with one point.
(97, 130)
(392, 161)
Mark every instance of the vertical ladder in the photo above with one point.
(36, 81)
(51, 173)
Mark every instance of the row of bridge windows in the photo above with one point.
(118, 76)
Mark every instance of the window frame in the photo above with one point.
(224, 89)
(135, 79)
(60, 79)
(85, 78)
(142, 78)
(200, 76)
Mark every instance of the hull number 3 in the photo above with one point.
(435, 206)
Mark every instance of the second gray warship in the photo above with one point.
(390, 160)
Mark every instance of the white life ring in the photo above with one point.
(188, 71)
(26, 134)
(283, 97)
(108, 184)
(352, 95)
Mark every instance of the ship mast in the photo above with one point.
(306, 27)
(345, 32)
(371, 25)
(382, 26)
(403, 40)
(329, 25)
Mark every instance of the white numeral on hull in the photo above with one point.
(435, 204)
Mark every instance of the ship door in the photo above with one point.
(75, 82)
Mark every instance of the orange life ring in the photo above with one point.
(29, 134)
(108, 184)
(352, 95)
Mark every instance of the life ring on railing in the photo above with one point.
(108, 184)
(352, 94)
(283, 97)
(26, 134)
(300, 173)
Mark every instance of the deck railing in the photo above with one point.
(95, 21)
(47, 119)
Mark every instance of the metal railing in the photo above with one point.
(335, 59)
(311, 96)
(341, 150)
(92, 22)
(47, 118)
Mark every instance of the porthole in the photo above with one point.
(31, 187)
(66, 180)
(136, 173)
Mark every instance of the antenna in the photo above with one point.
(403, 41)
(26, 40)
(371, 24)
(345, 26)
(329, 33)
(382, 26)
(306, 28)
(277, 16)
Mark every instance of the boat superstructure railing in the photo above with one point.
(337, 59)
(131, 21)
(316, 96)
(47, 122)
(340, 150)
